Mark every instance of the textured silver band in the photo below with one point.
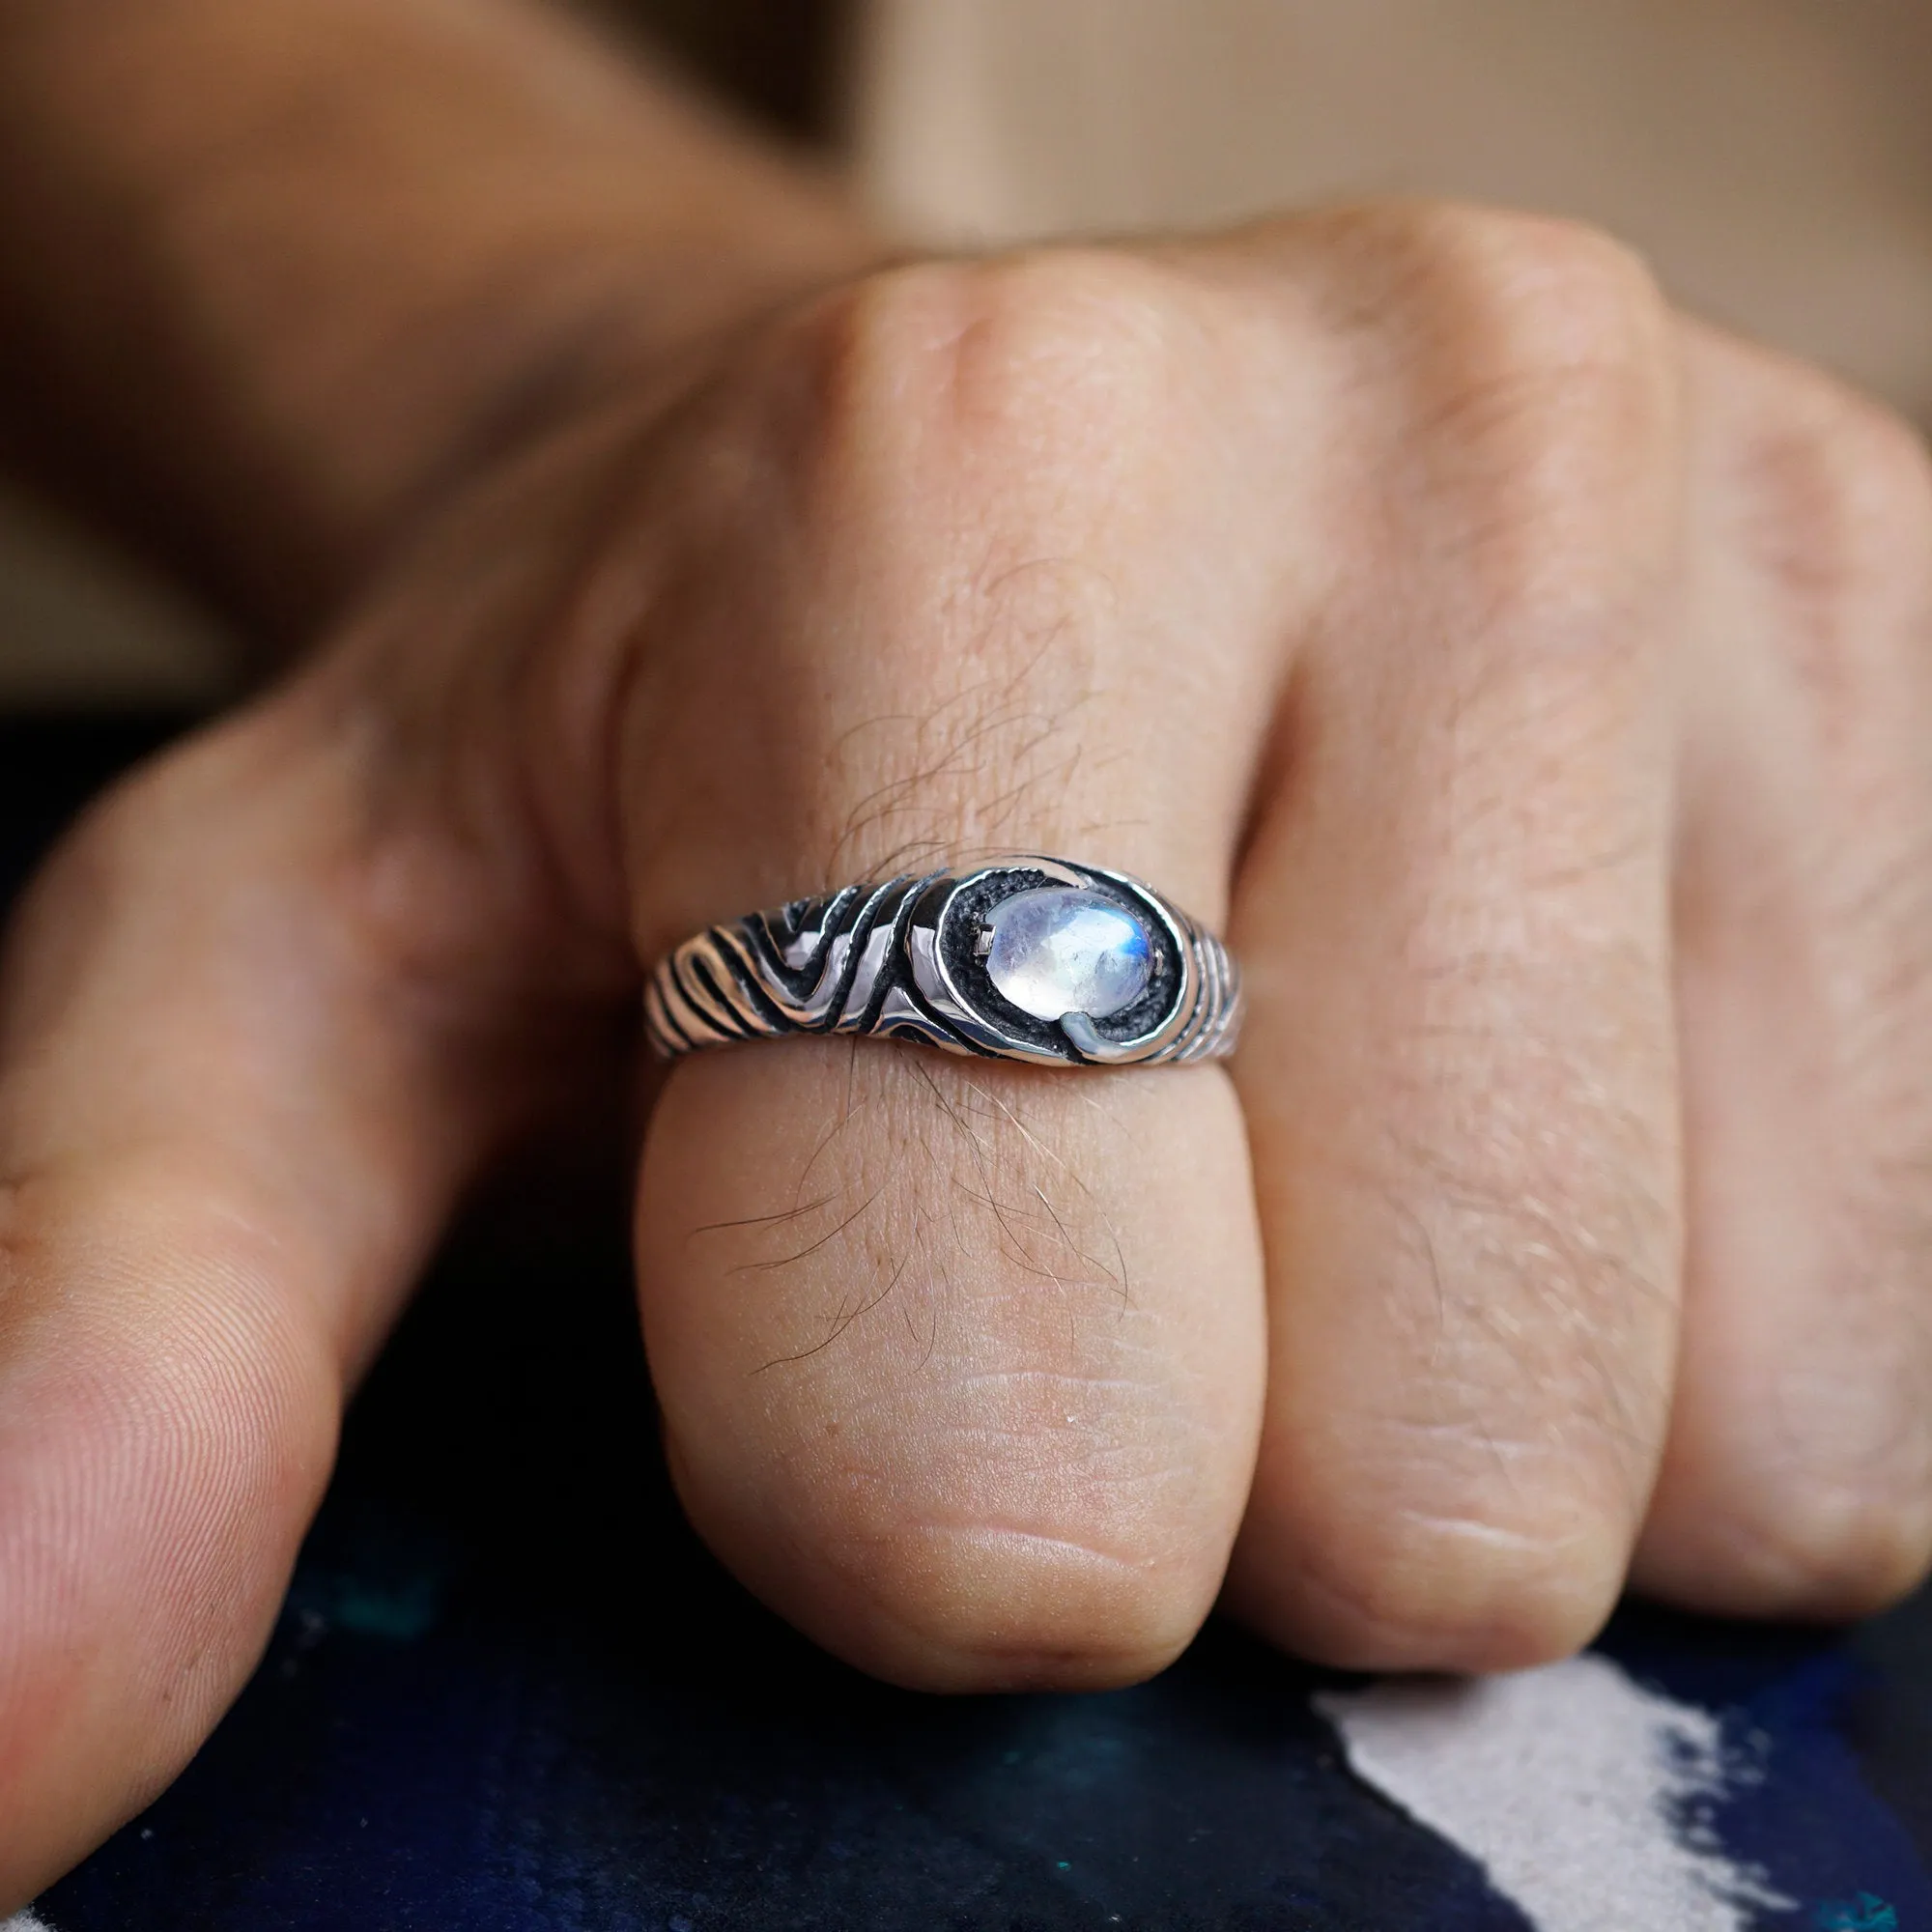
(907, 958)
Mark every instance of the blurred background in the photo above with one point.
(1772, 158)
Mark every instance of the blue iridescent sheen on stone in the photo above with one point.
(1063, 949)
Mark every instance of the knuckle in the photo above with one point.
(1535, 370)
(1040, 1605)
(1884, 462)
(1015, 1550)
(1528, 297)
(1875, 458)
(1842, 468)
(1061, 353)
(1473, 1592)
(1838, 496)
(1818, 1505)
(1830, 1550)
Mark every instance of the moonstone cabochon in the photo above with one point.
(1060, 950)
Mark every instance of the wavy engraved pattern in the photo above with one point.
(899, 959)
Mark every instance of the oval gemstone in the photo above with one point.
(1062, 949)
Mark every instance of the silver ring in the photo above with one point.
(1021, 958)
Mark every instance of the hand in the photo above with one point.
(1533, 685)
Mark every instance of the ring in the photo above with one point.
(1022, 958)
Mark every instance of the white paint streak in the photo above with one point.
(1578, 1791)
(25, 1922)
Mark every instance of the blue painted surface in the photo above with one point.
(1805, 1804)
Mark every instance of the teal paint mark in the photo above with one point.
(376, 1576)
(1864, 1914)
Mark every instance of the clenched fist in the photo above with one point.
(1534, 685)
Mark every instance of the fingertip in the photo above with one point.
(970, 1606)
(1403, 1591)
(166, 1427)
(1802, 1546)
(977, 1609)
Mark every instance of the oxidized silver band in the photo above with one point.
(1020, 959)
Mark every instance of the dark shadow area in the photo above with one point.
(781, 66)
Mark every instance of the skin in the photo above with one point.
(1533, 684)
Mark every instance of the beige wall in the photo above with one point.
(1773, 157)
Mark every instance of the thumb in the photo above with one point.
(247, 1059)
